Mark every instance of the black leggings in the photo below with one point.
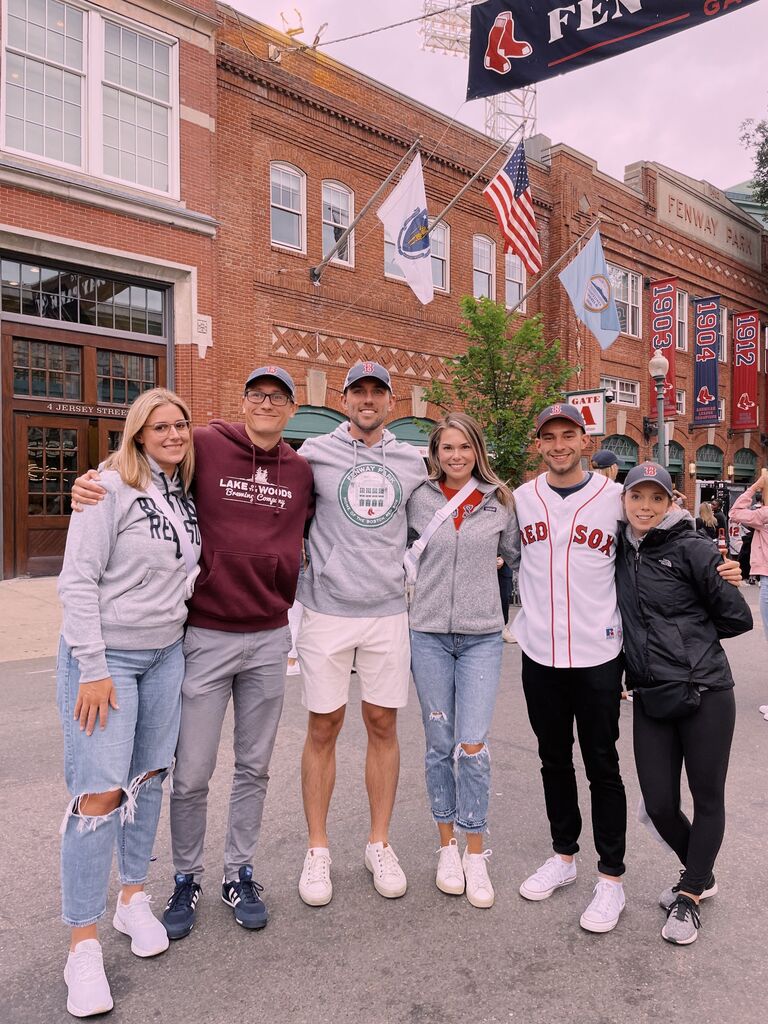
(701, 742)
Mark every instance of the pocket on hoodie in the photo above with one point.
(237, 585)
(348, 577)
(156, 601)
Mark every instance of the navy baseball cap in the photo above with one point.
(560, 411)
(360, 371)
(604, 458)
(649, 473)
(277, 373)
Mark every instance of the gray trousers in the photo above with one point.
(249, 667)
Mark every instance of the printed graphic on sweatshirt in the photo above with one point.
(161, 528)
(255, 490)
(370, 495)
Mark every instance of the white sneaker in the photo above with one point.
(315, 883)
(554, 873)
(148, 935)
(450, 874)
(88, 988)
(479, 889)
(388, 876)
(603, 913)
(763, 709)
(507, 636)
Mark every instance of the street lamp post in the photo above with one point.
(658, 367)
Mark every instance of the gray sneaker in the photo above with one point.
(683, 922)
(669, 895)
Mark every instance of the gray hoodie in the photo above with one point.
(457, 589)
(357, 537)
(124, 577)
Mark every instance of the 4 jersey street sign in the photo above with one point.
(514, 43)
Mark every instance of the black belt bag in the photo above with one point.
(669, 700)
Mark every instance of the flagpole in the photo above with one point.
(443, 213)
(316, 271)
(556, 264)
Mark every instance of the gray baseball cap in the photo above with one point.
(649, 473)
(276, 372)
(560, 411)
(604, 458)
(360, 371)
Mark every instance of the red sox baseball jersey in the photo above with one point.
(569, 617)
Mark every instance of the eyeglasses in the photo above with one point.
(163, 429)
(259, 397)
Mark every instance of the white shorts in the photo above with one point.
(380, 648)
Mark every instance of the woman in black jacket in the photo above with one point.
(675, 608)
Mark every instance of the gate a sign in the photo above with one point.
(591, 405)
(746, 337)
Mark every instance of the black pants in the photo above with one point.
(590, 696)
(701, 742)
(505, 590)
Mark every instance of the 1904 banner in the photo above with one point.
(663, 335)
(746, 338)
(706, 320)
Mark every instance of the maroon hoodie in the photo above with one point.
(252, 507)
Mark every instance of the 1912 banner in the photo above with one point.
(516, 42)
(746, 338)
(663, 333)
(706, 325)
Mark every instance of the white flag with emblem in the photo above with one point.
(406, 226)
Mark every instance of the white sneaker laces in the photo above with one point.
(89, 963)
(606, 898)
(387, 861)
(551, 871)
(317, 868)
(476, 869)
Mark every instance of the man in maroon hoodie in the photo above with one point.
(254, 496)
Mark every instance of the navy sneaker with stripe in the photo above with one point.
(243, 896)
(179, 913)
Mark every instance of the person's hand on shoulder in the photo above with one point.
(86, 491)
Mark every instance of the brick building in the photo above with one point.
(107, 227)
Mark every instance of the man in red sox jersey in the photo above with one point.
(569, 630)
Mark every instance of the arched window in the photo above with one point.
(288, 222)
(676, 457)
(338, 214)
(709, 462)
(744, 466)
(483, 267)
(624, 448)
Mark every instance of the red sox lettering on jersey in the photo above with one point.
(569, 618)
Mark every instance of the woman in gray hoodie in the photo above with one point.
(456, 624)
(128, 567)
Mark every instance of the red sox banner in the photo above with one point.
(706, 320)
(663, 334)
(516, 42)
(746, 337)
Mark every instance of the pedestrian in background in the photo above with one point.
(606, 463)
(706, 522)
(675, 608)
(127, 569)
(456, 639)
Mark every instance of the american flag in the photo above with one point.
(509, 193)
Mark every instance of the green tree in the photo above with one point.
(754, 135)
(505, 378)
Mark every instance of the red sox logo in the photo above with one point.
(745, 403)
(704, 396)
(368, 367)
(271, 369)
(556, 410)
(530, 533)
(650, 471)
(502, 46)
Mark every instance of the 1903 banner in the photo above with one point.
(746, 338)
(706, 321)
(663, 335)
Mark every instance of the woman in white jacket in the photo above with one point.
(456, 643)
(127, 572)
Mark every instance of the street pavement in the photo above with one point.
(421, 959)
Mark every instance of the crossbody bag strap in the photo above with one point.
(416, 550)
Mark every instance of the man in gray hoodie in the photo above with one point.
(355, 612)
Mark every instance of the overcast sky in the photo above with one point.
(678, 101)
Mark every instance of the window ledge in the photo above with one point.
(66, 186)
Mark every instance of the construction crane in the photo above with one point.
(447, 31)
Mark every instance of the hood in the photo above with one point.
(675, 517)
(342, 434)
(237, 433)
(167, 485)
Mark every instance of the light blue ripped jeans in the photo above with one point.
(140, 737)
(456, 677)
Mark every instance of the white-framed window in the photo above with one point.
(627, 392)
(514, 281)
(483, 267)
(391, 269)
(680, 402)
(288, 205)
(91, 90)
(628, 289)
(681, 343)
(721, 409)
(338, 213)
(440, 247)
(723, 353)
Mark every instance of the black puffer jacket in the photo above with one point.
(675, 608)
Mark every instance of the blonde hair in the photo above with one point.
(129, 460)
(470, 428)
(706, 514)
